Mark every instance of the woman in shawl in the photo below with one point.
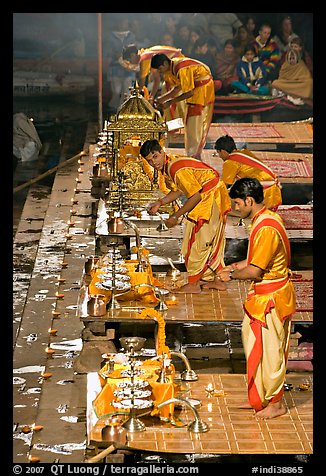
(294, 78)
(226, 64)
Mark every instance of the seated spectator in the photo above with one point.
(213, 46)
(181, 38)
(294, 78)
(167, 39)
(226, 64)
(297, 44)
(251, 73)
(242, 39)
(195, 33)
(201, 53)
(170, 23)
(284, 34)
(267, 51)
(251, 25)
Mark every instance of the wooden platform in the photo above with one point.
(300, 132)
(232, 430)
(210, 306)
(295, 229)
(281, 162)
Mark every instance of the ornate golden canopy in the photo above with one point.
(136, 117)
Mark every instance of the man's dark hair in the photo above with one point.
(158, 60)
(225, 143)
(202, 40)
(249, 48)
(128, 50)
(150, 146)
(247, 187)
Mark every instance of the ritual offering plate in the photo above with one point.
(130, 373)
(137, 384)
(127, 393)
(118, 277)
(118, 269)
(107, 285)
(148, 352)
(109, 261)
(113, 254)
(138, 403)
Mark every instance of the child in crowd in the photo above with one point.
(251, 73)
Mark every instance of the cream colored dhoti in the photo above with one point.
(176, 110)
(204, 249)
(266, 350)
(196, 130)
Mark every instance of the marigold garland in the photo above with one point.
(161, 336)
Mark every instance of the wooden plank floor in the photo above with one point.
(210, 306)
(232, 430)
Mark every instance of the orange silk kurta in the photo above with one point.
(269, 249)
(243, 163)
(204, 236)
(190, 176)
(146, 55)
(192, 74)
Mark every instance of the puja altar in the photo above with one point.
(116, 156)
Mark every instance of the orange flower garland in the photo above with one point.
(152, 313)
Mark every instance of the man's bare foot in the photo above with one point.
(245, 405)
(271, 411)
(216, 284)
(190, 288)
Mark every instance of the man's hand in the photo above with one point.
(224, 274)
(154, 207)
(171, 221)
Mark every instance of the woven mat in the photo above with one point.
(297, 218)
(303, 292)
(252, 131)
(273, 132)
(290, 168)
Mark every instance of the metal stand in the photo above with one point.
(133, 423)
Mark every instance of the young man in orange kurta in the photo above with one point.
(270, 301)
(191, 81)
(205, 209)
(140, 61)
(239, 163)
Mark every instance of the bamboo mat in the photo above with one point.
(211, 158)
(280, 132)
(232, 430)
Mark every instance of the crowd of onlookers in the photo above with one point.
(259, 53)
(245, 55)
